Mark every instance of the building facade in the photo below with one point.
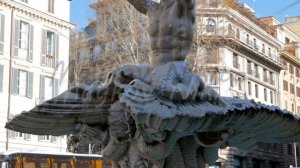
(239, 55)
(34, 50)
(293, 23)
(290, 76)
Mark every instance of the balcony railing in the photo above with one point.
(227, 33)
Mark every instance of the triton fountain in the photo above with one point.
(160, 115)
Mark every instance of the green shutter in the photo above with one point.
(2, 22)
(56, 50)
(1, 77)
(30, 50)
(16, 38)
(29, 90)
(15, 82)
(43, 47)
(42, 87)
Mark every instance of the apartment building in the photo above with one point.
(290, 76)
(34, 56)
(238, 56)
(293, 23)
(290, 54)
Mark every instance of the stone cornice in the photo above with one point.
(287, 56)
(36, 14)
(246, 23)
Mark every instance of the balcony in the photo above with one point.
(229, 35)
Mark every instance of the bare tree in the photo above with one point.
(79, 55)
(122, 38)
(123, 32)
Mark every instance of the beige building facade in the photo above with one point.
(290, 55)
(34, 50)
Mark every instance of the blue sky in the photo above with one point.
(80, 12)
(278, 8)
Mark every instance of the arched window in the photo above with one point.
(211, 26)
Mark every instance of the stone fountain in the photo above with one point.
(160, 115)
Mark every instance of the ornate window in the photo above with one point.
(211, 26)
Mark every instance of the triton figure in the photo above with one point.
(171, 27)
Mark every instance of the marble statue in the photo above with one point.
(159, 115)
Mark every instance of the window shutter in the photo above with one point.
(16, 38)
(1, 78)
(15, 76)
(53, 139)
(56, 50)
(27, 136)
(31, 36)
(42, 87)
(55, 91)
(29, 90)
(11, 134)
(44, 47)
(2, 19)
